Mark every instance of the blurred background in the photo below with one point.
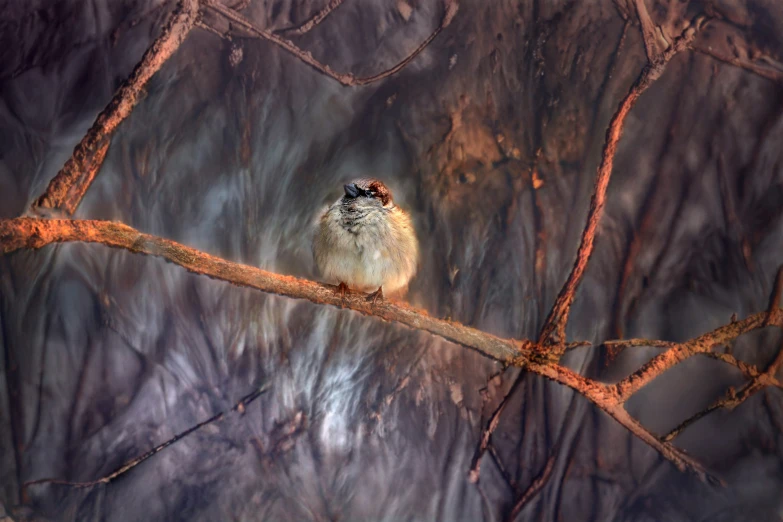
(491, 139)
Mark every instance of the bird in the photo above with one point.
(364, 241)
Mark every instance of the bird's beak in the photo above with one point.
(351, 190)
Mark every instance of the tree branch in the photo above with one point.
(731, 44)
(34, 233)
(316, 19)
(67, 188)
(486, 435)
(553, 332)
(777, 290)
(702, 344)
(347, 79)
(651, 44)
(629, 343)
(533, 489)
(238, 407)
(733, 398)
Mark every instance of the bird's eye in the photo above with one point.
(370, 194)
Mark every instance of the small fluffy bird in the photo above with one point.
(365, 242)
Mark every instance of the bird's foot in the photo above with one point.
(341, 289)
(378, 294)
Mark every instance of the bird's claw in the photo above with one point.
(378, 294)
(341, 289)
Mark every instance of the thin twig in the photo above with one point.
(748, 371)
(345, 79)
(238, 407)
(493, 452)
(533, 489)
(68, 187)
(777, 290)
(316, 19)
(557, 320)
(733, 398)
(765, 71)
(475, 468)
(630, 343)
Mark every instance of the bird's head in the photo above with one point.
(367, 192)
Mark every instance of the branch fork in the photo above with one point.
(540, 357)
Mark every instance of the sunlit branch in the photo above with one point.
(553, 335)
(33, 233)
(68, 187)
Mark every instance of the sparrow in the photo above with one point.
(366, 242)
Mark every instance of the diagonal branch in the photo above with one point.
(553, 332)
(486, 435)
(777, 290)
(629, 343)
(733, 398)
(702, 344)
(238, 407)
(67, 189)
(651, 44)
(34, 233)
(346, 79)
(533, 489)
(316, 19)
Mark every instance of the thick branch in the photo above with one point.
(66, 190)
(555, 324)
(36, 233)
(345, 79)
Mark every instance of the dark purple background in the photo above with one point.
(113, 353)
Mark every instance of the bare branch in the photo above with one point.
(764, 70)
(651, 44)
(316, 19)
(203, 25)
(36, 233)
(702, 344)
(733, 398)
(774, 299)
(345, 79)
(533, 489)
(628, 343)
(730, 44)
(475, 469)
(66, 190)
(238, 407)
(680, 459)
(557, 320)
